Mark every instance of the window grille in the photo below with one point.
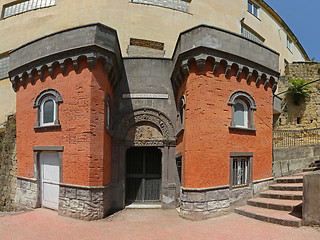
(180, 5)
(4, 66)
(25, 6)
(240, 171)
(246, 32)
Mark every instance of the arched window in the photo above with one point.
(243, 105)
(240, 113)
(47, 111)
(47, 104)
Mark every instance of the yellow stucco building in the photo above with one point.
(144, 27)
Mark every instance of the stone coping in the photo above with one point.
(93, 42)
(224, 186)
(27, 179)
(85, 187)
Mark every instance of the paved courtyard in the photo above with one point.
(143, 224)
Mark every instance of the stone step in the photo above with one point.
(276, 204)
(310, 169)
(287, 186)
(317, 162)
(285, 218)
(278, 194)
(290, 179)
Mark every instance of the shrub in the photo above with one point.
(298, 90)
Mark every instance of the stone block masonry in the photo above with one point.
(198, 204)
(83, 202)
(308, 112)
(27, 194)
(311, 198)
(8, 165)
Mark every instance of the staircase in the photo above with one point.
(313, 166)
(282, 203)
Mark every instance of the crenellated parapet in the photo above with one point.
(219, 47)
(93, 43)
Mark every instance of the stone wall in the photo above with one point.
(27, 193)
(84, 202)
(308, 112)
(8, 165)
(289, 160)
(197, 204)
(311, 198)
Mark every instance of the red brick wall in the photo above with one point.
(207, 139)
(86, 156)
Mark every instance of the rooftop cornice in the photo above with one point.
(93, 42)
(205, 43)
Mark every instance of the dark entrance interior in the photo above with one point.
(143, 174)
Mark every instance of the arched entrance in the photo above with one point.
(144, 159)
(143, 175)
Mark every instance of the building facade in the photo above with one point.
(109, 114)
(96, 132)
(137, 28)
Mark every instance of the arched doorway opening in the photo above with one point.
(143, 175)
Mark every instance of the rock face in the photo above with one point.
(307, 114)
(8, 165)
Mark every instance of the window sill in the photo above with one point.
(254, 15)
(240, 186)
(47, 128)
(240, 129)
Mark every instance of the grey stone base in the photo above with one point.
(27, 193)
(198, 204)
(311, 199)
(86, 203)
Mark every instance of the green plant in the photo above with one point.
(298, 90)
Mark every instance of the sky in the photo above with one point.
(303, 18)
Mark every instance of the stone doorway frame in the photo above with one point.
(120, 145)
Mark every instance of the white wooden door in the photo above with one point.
(49, 179)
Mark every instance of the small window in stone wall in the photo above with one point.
(145, 48)
(4, 66)
(240, 169)
(289, 43)
(181, 115)
(179, 167)
(180, 5)
(108, 112)
(253, 9)
(18, 7)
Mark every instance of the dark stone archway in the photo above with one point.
(145, 128)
